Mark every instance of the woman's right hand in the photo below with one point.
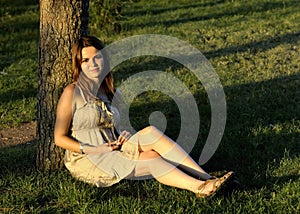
(88, 149)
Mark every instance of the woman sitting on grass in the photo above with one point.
(97, 152)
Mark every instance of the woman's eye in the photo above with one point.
(98, 56)
(84, 60)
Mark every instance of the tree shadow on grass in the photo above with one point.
(19, 36)
(257, 46)
(19, 40)
(17, 7)
(18, 159)
(262, 125)
(217, 14)
(262, 120)
(21, 44)
(143, 63)
(155, 11)
(14, 95)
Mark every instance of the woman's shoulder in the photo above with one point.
(67, 95)
(69, 90)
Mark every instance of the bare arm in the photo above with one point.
(63, 121)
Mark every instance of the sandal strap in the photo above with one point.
(216, 184)
(201, 188)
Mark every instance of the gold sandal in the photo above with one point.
(216, 183)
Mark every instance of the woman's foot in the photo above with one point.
(210, 187)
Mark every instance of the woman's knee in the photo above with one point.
(149, 129)
(149, 155)
(150, 133)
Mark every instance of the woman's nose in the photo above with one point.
(94, 63)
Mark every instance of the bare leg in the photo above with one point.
(151, 139)
(150, 162)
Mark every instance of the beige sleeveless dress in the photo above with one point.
(94, 124)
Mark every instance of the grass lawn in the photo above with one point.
(254, 47)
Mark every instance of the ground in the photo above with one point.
(25, 133)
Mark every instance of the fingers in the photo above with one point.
(124, 136)
(113, 145)
(116, 147)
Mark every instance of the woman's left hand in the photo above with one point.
(123, 138)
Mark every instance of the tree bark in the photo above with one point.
(61, 23)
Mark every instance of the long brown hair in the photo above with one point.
(88, 41)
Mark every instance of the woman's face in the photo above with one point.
(92, 63)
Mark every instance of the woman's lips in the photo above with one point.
(94, 70)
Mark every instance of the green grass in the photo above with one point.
(254, 47)
(18, 61)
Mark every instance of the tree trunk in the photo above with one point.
(61, 23)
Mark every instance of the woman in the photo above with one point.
(97, 151)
